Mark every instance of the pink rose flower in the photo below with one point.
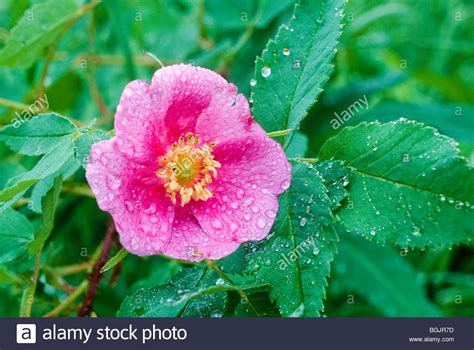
(188, 174)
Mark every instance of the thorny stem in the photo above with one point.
(95, 276)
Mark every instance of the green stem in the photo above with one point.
(279, 133)
(15, 105)
(154, 58)
(29, 294)
(212, 264)
(307, 160)
(243, 39)
(69, 300)
(72, 269)
(80, 289)
(78, 188)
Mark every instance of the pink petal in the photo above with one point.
(244, 206)
(134, 197)
(200, 101)
(138, 123)
(253, 161)
(188, 241)
(237, 214)
(227, 115)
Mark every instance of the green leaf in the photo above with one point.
(44, 185)
(295, 259)
(408, 184)
(49, 164)
(16, 232)
(85, 141)
(48, 204)
(169, 300)
(209, 305)
(38, 28)
(122, 253)
(336, 178)
(298, 145)
(38, 135)
(295, 65)
(257, 305)
(383, 277)
(453, 120)
(9, 170)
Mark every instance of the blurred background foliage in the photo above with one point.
(410, 59)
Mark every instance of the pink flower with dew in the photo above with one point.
(188, 174)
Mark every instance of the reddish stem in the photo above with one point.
(96, 275)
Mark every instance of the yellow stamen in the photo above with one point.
(187, 169)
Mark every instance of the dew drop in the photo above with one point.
(416, 230)
(260, 222)
(266, 71)
(285, 185)
(286, 51)
(270, 213)
(253, 82)
(303, 222)
(216, 223)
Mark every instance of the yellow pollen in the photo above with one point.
(187, 169)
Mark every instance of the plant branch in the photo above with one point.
(69, 300)
(95, 276)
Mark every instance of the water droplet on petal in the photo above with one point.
(285, 185)
(216, 223)
(260, 222)
(270, 213)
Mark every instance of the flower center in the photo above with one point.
(187, 169)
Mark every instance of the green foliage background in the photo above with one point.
(412, 60)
